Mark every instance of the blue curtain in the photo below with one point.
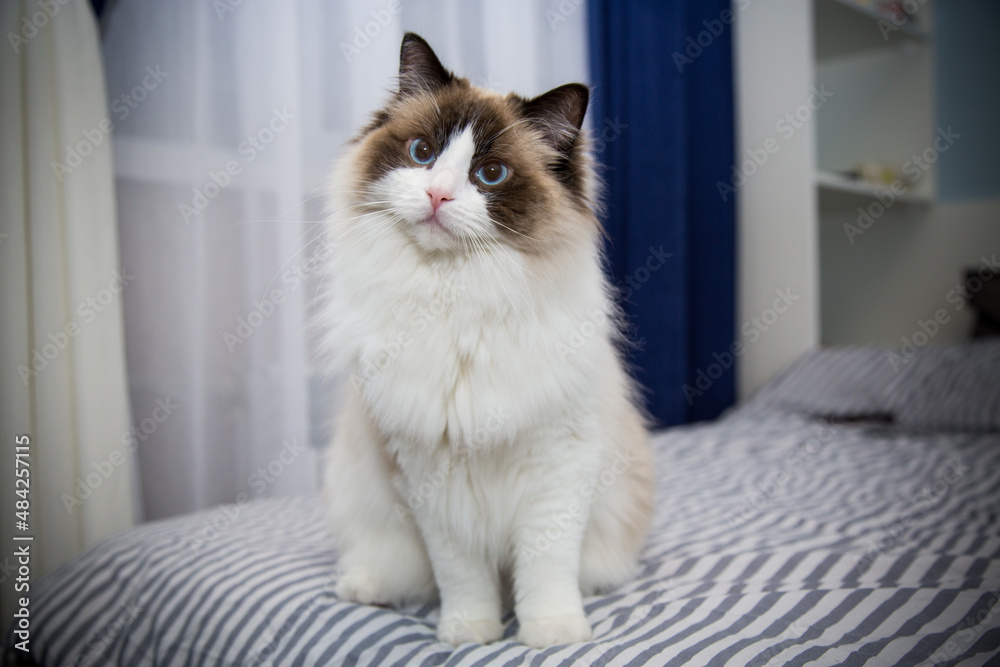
(663, 117)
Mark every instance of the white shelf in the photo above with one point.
(911, 28)
(842, 188)
(846, 28)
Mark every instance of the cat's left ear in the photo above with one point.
(559, 114)
(419, 68)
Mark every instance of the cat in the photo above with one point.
(490, 448)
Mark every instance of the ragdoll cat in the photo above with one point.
(490, 449)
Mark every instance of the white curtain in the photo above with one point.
(244, 105)
(62, 351)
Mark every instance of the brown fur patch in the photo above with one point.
(543, 178)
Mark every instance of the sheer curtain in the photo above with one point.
(62, 348)
(227, 117)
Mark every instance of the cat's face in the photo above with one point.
(459, 168)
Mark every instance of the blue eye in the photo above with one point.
(492, 173)
(421, 151)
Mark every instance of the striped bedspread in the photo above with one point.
(778, 540)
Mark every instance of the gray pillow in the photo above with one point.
(836, 383)
(950, 388)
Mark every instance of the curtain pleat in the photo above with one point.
(226, 259)
(662, 116)
(64, 381)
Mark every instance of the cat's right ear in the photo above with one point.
(419, 69)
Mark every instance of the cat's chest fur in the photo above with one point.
(466, 355)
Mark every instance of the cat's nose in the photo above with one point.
(438, 197)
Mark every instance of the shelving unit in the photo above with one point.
(881, 77)
(914, 29)
(836, 189)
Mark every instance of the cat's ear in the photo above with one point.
(559, 114)
(419, 69)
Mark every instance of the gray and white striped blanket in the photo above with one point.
(778, 540)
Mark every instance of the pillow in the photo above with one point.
(983, 294)
(950, 388)
(837, 383)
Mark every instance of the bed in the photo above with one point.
(847, 515)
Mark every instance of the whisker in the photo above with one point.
(318, 191)
(304, 247)
(517, 232)
(495, 263)
(371, 235)
(294, 255)
(290, 221)
(512, 125)
(489, 282)
(498, 246)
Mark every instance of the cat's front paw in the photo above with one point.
(457, 629)
(359, 586)
(554, 630)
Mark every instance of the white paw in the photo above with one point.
(554, 630)
(357, 585)
(457, 630)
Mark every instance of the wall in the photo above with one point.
(777, 225)
(968, 57)
(902, 270)
(904, 267)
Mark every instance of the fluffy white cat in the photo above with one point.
(490, 449)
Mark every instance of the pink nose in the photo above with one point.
(437, 198)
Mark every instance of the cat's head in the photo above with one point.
(459, 167)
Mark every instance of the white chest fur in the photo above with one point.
(468, 352)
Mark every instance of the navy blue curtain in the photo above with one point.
(662, 114)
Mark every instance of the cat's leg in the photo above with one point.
(546, 553)
(469, 587)
(621, 509)
(382, 554)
